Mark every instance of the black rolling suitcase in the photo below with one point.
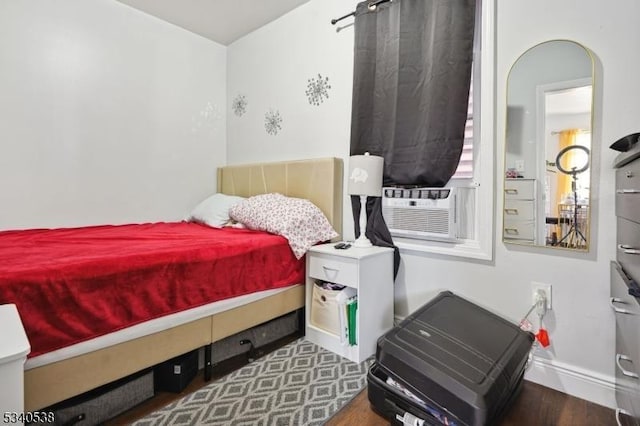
(451, 362)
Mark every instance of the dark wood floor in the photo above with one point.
(536, 405)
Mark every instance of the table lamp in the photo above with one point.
(365, 180)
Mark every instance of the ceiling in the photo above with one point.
(222, 21)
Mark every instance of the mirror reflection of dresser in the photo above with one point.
(520, 210)
(549, 112)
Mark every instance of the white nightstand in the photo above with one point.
(370, 272)
(13, 354)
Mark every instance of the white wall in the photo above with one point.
(271, 67)
(107, 115)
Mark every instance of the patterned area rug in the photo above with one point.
(299, 384)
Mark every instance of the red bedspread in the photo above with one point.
(74, 284)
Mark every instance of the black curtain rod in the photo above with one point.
(371, 6)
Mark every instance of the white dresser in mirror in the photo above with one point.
(519, 214)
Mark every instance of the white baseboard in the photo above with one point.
(397, 319)
(575, 381)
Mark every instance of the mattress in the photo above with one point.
(74, 285)
(148, 327)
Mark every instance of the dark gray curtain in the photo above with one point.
(412, 70)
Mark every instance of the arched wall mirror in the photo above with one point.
(548, 147)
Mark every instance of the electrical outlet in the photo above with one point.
(545, 288)
(520, 165)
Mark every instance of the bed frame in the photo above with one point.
(319, 180)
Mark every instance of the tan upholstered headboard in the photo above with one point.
(318, 180)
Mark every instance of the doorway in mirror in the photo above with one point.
(566, 108)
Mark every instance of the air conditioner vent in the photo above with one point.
(427, 213)
(435, 220)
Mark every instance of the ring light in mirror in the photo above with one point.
(572, 170)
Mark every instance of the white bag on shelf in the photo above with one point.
(327, 309)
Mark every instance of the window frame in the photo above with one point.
(483, 181)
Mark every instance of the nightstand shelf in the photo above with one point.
(370, 272)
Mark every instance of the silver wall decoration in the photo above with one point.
(239, 105)
(317, 89)
(272, 122)
(207, 120)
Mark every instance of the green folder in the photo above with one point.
(352, 308)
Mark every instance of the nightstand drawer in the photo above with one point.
(339, 271)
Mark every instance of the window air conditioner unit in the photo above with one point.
(424, 213)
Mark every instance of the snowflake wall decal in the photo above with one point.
(317, 89)
(239, 105)
(207, 119)
(272, 122)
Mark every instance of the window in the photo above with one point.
(474, 175)
(465, 167)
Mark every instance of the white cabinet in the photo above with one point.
(520, 210)
(13, 354)
(369, 272)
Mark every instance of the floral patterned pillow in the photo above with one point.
(300, 221)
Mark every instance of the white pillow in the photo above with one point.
(214, 211)
(300, 221)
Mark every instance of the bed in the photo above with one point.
(59, 372)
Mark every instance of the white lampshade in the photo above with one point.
(365, 175)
